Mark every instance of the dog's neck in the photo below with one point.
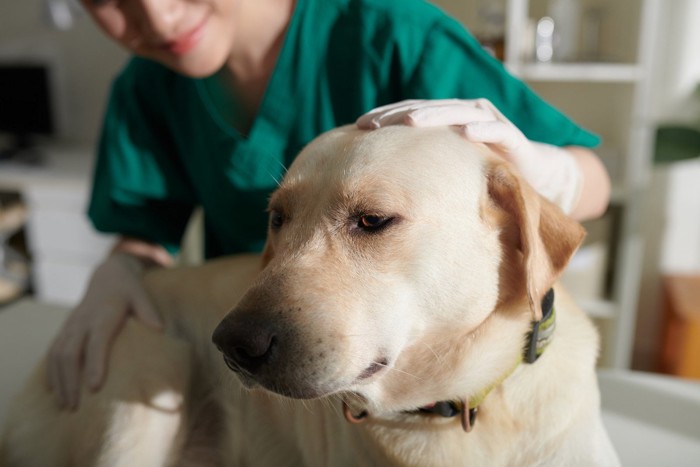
(538, 338)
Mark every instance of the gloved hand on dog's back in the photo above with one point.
(558, 174)
(80, 351)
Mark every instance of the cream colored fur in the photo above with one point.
(439, 301)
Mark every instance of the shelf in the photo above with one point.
(581, 72)
(610, 97)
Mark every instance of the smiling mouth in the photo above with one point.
(187, 41)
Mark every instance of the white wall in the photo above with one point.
(84, 60)
(677, 62)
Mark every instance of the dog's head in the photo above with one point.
(394, 259)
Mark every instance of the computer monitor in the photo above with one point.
(26, 109)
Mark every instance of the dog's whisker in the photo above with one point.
(274, 177)
(437, 356)
(404, 373)
(333, 407)
(307, 406)
(285, 169)
(331, 402)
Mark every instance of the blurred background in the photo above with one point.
(626, 69)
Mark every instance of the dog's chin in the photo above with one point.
(294, 391)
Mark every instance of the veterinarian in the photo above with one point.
(222, 94)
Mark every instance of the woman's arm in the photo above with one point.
(595, 187)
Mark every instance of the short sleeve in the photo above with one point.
(139, 186)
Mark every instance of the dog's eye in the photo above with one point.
(372, 223)
(276, 219)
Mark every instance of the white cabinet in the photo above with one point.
(63, 245)
(606, 88)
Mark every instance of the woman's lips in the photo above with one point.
(187, 41)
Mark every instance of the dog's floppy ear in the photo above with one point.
(545, 236)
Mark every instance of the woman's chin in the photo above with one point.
(193, 64)
(195, 68)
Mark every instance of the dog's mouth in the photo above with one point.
(233, 366)
(376, 366)
(304, 391)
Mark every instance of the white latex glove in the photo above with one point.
(551, 170)
(82, 347)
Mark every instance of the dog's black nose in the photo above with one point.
(246, 345)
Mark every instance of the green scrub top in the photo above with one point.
(166, 148)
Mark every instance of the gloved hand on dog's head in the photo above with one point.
(552, 171)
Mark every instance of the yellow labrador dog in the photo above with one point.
(401, 314)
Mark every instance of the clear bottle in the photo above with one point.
(566, 15)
